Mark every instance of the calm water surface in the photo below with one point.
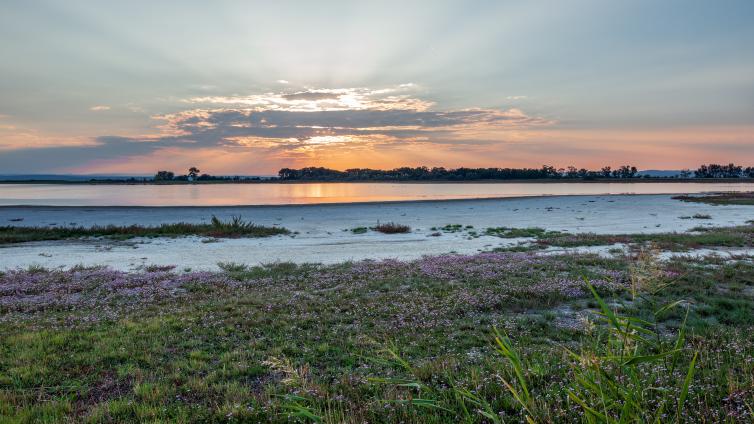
(310, 193)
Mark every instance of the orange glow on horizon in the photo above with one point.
(647, 149)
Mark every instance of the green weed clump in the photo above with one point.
(238, 227)
(450, 228)
(506, 232)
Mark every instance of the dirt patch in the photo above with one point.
(108, 387)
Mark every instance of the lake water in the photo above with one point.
(312, 193)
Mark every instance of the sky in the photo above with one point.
(246, 87)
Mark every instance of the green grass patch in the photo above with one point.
(741, 236)
(506, 232)
(449, 228)
(234, 228)
(732, 198)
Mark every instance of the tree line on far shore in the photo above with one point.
(424, 173)
(724, 171)
(194, 174)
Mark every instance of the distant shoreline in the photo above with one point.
(636, 180)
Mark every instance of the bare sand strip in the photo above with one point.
(321, 229)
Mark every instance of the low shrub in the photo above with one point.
(392, 228)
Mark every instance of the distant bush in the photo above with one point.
(392, 228)
(237, 227)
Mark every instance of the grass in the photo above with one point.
(609, 385)
(451, 228)
(392, 228)
(234, 228)
(506, 232)
(385, 341)
(732, 198)
(698, 237)
(388, 228)
(740, 236)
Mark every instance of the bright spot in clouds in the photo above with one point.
(394, 98)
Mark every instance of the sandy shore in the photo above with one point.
(322, 235)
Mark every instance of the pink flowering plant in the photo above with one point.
(381, 341)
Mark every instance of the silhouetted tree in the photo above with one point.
(164, 176)
(714, 170)
(193, 172)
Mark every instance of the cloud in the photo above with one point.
(99, 108)
(301, 123)
(61, 157)
(391, 98)
(282, 81)
(18, 136)
(224, 127)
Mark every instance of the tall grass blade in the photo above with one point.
(506, 348)
(591, 411)
(650, 358)
(603, 306)
(686, 384)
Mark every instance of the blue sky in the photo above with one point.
(249, 87)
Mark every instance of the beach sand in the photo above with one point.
(323, 234)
